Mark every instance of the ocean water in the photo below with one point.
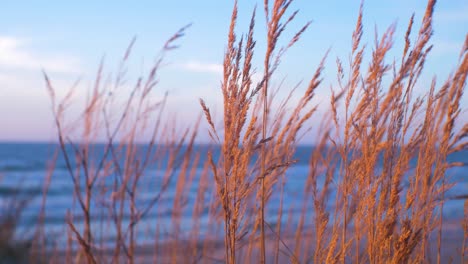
(24, 168)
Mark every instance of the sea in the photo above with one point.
(24, 168)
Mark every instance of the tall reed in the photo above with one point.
(108, 176)
(377, 175)
(387, 214)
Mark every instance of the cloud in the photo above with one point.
(196, 66)
(15, 54)
(443, 47)
(213, 68)
(453, 15)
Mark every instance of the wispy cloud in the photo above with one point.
(452, 15)
(16, 53)
(443, 47)
(196, 66)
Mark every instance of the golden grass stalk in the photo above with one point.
(120, 124)
(382, 152)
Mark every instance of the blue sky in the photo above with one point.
(68, 39)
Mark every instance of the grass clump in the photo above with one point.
(376, 181)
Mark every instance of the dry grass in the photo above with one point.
(375, 219)
(376, 179)
(110, 178)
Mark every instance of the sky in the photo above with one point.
(68, 40)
